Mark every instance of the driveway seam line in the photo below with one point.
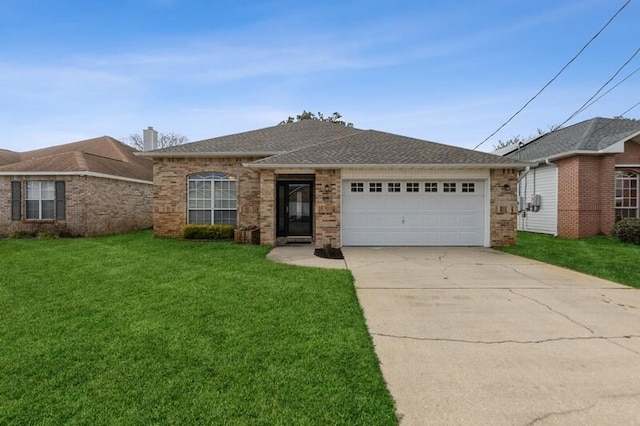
(496, 342)
(533, 299)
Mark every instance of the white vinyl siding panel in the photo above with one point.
(543, 181)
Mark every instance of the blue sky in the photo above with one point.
(445, 71)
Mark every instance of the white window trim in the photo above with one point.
(39, 199)
(627, 176)
(212, 204)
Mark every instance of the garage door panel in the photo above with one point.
(416, 218)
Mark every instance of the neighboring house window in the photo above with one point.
(393, 187)
(40, 200)
(375, 187)
(413, 187)
(468, 187)
(43, 200)
(626, 195)
(449, 187)
(431, 187)
(212, 199)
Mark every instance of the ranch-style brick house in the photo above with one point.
(583, 178)
(91, 187)
(320, 182)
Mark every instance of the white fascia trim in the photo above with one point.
(554, 157)
(151, 154)
(624, 166)
(519, 165)
(91, 174)
(618, 147)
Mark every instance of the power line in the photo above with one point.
(622, 115)
(555, 76)
(583, 106)
(616, 85)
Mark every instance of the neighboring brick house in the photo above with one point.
(320, 182)
(91, 187)
(584, 178)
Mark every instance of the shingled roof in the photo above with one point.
(590, 136)
(268, 141)
(374, 148)
(324, 144)
(104, 155)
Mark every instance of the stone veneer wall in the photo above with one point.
(94, 206)
(504, 208)
(327, 208)
(170, 190)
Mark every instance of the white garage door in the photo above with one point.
(413, 213)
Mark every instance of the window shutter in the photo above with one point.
(16, 197)
(60, 200)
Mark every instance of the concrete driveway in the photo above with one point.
(476, 336)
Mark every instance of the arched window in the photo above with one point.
(626, 194)
(212, 198)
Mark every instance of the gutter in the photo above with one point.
(519, 165)
(78, 173)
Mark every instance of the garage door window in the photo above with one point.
(393, 187)
(375, 187)
(357, 187)
(413, 187)
(449, 187)
(468, 187)
(431, 187)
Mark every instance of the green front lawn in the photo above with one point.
(601, 256)
(129, 329)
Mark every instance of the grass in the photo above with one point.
(600, 256)
(129, 329)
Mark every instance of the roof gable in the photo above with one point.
(592, 135)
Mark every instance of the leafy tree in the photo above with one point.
(165, 140)
(336, 117)
(516, 139)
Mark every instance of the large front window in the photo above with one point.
(212, 198)
(626, 195)
(40, 200)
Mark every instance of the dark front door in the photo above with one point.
(294, 209)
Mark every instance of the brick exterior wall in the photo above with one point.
(170, 176)
(585, 195)
(94, 206)
(504, 208)
(327, 208)
(267, 200)
(257, 199)
(586, 192)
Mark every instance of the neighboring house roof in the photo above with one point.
(101, 156)
(593, 136)
(8, 157)
(325, 144)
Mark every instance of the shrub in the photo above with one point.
(627, 230)
(208, 232)
(21, 234)
(48, 234)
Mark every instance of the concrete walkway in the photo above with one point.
(472, 336)
(302, 255)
